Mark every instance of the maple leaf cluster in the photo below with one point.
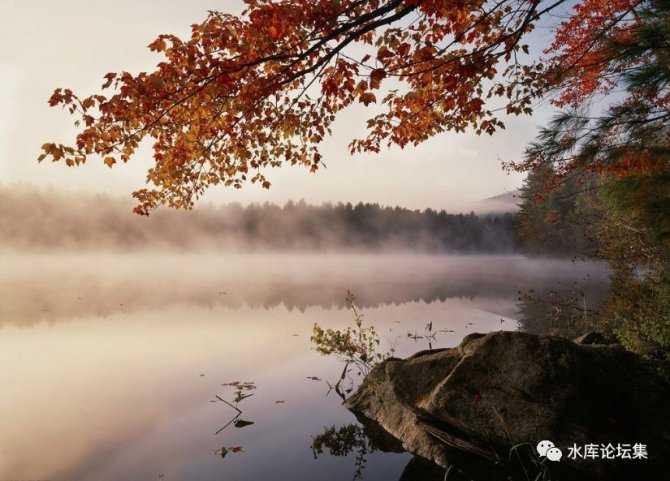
(259, 90)
(605, 47)
(583, 55)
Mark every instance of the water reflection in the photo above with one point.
(359, 440)
(111, 362)
(53, 288)
(243, 390)
(346, 440)
(364, 437)
(563, 309)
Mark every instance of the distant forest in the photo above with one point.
(371, 226)
(32, 219)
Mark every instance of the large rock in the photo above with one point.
(478, 400)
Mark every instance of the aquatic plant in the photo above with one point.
(357, 345)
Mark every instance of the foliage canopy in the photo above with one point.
(262, 89)
(259, 90)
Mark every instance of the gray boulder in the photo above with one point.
(469, 406)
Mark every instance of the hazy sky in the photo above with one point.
(46, 44)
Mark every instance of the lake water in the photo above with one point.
(112, 364)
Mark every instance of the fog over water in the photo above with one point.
(118, 332)
(56, 287)
(111, 361)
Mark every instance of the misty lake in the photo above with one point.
(112, 364)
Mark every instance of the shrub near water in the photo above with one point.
(355, 345)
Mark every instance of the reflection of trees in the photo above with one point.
(355, 439)
(345, 441)
(361, 440)
(26, 301)
(366, 437)
(566, 309)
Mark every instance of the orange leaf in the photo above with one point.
(376, 76)
(368, 98)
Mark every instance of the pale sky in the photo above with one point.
(46, 44)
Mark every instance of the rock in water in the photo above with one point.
(499, 390)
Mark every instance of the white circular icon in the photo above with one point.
(543, 447)
(554, 454)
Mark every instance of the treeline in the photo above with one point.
(558, 220)
(32, 219)
(623, 221)
(599, 182)
(370, 226)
